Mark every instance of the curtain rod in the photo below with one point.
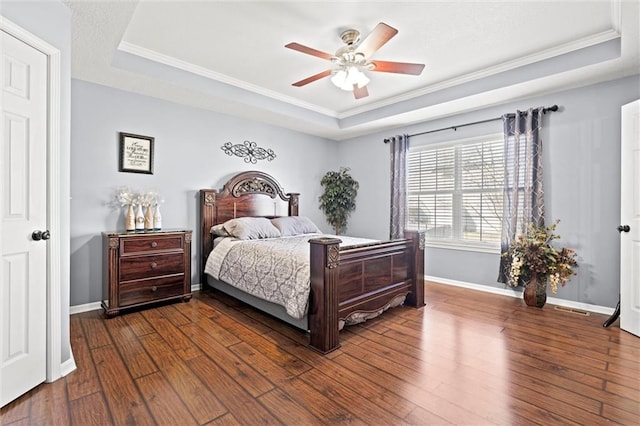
(552, 108)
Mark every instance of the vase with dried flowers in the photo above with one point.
(125, 197)
(148, 200)
(534, 262)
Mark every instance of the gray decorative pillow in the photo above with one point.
(295, 225)
(251, 228)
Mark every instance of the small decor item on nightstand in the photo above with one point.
(157, 218)
(130, 220)
(148, 219)
(125, 197)
(139, 219)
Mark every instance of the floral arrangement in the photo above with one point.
(125, 197)
(532, 255)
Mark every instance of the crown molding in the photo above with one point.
(559, 50)
(222, 78)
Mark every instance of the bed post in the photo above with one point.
(207, 219)
(323, 304)
(416, 297)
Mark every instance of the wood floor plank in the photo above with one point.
(174, 313)
(84, 380)
(197, 308)
(94, 328)
(202, 403)
(164, 403)
(50, 404)
(427, 400)
(276, 354)
(245, 375)
(90, 410)
(244, 407)
(264, 365)
(134, 356)
(280, 404)
(139, 325)
(172, 335)
(125, 402)
(350, 399)
(388, 400)
(320, 405)
(225, 337)
(18, 409)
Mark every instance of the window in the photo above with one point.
(455, 192)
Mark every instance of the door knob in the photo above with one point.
(624, 228)
(40, 235)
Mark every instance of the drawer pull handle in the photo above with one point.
(154, 288)
(154, 265)
(154, 244)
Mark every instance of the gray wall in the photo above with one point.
(582, 185)
(51, 21)
(187, 158)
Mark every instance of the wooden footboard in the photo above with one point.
(362, 278)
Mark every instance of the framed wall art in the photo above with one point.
(136, 153)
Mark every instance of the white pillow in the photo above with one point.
(251, 228)
(294, 225)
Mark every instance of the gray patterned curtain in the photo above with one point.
(523, 200)
(399, 147)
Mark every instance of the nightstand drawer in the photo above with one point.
(151, 243)
(143, 291)
(138, 267)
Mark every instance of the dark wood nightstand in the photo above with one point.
(145, 267)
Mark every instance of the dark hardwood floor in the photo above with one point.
(466, 358)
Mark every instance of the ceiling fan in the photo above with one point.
(351, 59)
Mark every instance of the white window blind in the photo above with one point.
(455, 191)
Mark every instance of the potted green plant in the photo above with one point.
(339, 197)
(534, 261)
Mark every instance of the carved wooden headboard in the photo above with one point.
(250, 193)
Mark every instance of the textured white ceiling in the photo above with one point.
(171, 49)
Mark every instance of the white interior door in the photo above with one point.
(23, 207)
(630, 220)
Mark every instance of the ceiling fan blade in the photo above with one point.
(312, 78)
(397, 67)
(381, 34)
(309, 51)
(360, 92)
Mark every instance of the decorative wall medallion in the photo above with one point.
(249, 150)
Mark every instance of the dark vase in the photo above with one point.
(535, 292)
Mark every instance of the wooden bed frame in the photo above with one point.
(344, 281)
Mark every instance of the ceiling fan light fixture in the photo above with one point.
(345, 79)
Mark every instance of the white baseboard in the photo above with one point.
(515, 293)
(68, 366)
(78, 309)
